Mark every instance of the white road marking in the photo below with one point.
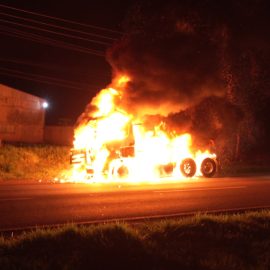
(15, 199)
(198, 189)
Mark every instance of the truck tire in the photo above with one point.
(120, 172)
(166, 170)
(188, 167)
(208, 167)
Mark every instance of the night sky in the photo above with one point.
(84, 72)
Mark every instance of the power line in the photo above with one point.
(37, 80)
(18, 76)
(54, 32)
(45, 77)
(61, 19)
(42, 66)
(52, 43)
(27, 63)
(49, 41)
(59, 27)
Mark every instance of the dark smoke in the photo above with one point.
(172, 65)
(202, 67)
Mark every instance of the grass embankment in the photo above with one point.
(244, 169)
(33, 162)
(239, 241)
(46, 162)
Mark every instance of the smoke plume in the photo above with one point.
(172, 66)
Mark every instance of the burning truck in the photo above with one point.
(111, 143)
(150, 157)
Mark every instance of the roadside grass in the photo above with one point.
(32, 162)
(204, 241)
(46, 162)
(239, 169)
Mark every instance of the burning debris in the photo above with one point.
(113, 143)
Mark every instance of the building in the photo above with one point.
(58, 135)
(21, 116)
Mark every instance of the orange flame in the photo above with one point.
(116, 144)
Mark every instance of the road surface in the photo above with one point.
(33, 204)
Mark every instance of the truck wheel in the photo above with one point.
(120, 172)
(123, 171)
(166, 170)
(208, 167)
(188, 167)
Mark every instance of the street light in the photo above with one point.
(45, 105)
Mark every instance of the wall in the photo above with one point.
(59, 135)
(21, 116)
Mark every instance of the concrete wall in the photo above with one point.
(21, 116)
(59, 135)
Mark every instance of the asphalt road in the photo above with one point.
(33, 204)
